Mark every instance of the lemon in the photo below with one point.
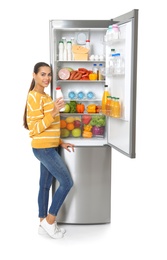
(69, 119)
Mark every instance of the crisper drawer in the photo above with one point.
(85, 126)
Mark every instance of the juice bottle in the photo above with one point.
(104, 98)
(112, 106)
(108, 105)
(117, 108)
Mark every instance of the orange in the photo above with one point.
(63, 123)
(93, 76)
(70, 126)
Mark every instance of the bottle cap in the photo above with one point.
(87, 40)
(57, 88)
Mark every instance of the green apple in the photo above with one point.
(67, 108)
(76, 132)
(64, 132)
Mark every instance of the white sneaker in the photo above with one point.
(42, 231)
(51, 230)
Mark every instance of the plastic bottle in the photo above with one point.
(65, 48)
(59, 94)
(95, 70)
(101, 71)
(118, 64)
(117, 107)
(69, 50)
(87, 45)
(72, 43)
(112, 106)
(104, 98)
(61, 48)
(115, 32)
(108, 105)
(109, 35)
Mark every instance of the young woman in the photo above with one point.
(42, 119)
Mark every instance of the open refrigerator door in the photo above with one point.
(86, 125)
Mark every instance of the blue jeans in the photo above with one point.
(52, 166)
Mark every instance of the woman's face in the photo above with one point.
(43, 77)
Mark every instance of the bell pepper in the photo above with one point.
(91, 108)
(87, 134)
(88, 128)
(80, 108)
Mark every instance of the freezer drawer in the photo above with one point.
(89, 201)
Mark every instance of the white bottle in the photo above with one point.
(111, 62)
(65, 48)
(87, 45)
(69, 50)
(61, 50)
(109, 35)
(72, 43)
(59, 94)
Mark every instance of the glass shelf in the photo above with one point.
(80, 81)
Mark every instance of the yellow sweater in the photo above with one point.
(44, 129)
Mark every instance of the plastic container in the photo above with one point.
(59, 94)
(106, 93)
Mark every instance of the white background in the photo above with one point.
(138, 228)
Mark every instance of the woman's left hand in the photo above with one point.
(67, 146)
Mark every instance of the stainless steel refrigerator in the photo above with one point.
(89, 201)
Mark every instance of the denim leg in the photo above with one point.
(54, 164)
(44, 188)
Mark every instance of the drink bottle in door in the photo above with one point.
(104, 98)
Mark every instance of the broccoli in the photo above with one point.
(73, 105)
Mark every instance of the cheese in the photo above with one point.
(79, 49)
(80, 56)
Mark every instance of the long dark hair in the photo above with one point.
(36, 70)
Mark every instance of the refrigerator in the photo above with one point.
(89, 201)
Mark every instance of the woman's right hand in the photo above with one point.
(58, 104)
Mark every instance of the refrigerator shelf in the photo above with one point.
(83, 61)
(80, 81)
(82, 99)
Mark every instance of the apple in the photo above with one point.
(76, 132)
(67, 108)
(77, 123)
(64, 132)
